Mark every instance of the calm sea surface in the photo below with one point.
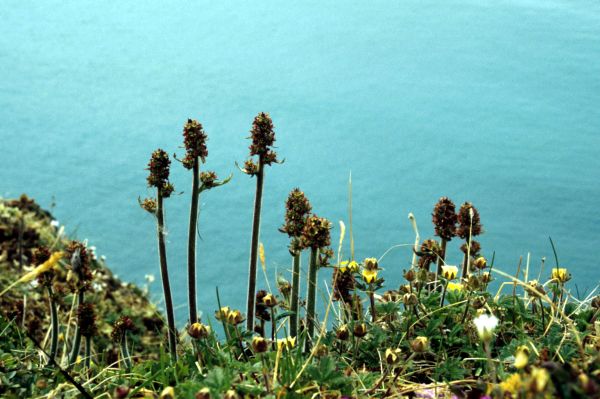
(495, 102)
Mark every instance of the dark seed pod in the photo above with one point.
(444, 219)
(465, 224)
(360, 330)
(263, 138)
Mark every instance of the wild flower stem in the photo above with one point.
(295, 295)
(54, 324)
(192, 241)
(77, 338)
(88, 351)
(311, 298)
(254, 246)
(164, 272)
(125, 351)
(372, 302)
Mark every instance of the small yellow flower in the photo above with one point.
(286, 343)
(371, 264)
(168, 393)
(198, 330)
(480, 263)
(512, 384)
(454, 286)
(235, 317)
(204, 393)
(561, 275)
(392, 355)
(342, 332)
(360, 330)
(369, 275)
(420, 344)
(539, 379)
(269, 300)
(348, 266)
(449, 272)
(259, 345)
(521, 357)
(222, 313)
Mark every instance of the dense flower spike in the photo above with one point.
(444, 219)
(315, 234)
(343, 285)
(159, 172)
(297, 209)
(121, 327)
(194, 140)
(263, 138)
(465, 224)
(86, 319)
(429, 253)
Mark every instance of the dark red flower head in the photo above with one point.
(444, 218)
(194, 140)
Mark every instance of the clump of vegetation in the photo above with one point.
(448, 333)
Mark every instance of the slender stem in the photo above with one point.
(543, 316)
(440, 262)
(372, 302)
(192, 242)
(311, 298)
(164, 272)
(125, 352)
(295, 295)
(254, 246)
(54, 324)
(273, 326)
(77, 339)
(88, 351)
(444, 293)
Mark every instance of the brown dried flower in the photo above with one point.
(444, 219)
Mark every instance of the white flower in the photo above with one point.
(54, 223)
(486, 324)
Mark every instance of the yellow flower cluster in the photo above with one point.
(233, 317)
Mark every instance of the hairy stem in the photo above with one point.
(164, 272)
(192, 242)
(311, 298)
(254, 246)
(295, 295)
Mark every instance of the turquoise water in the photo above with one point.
(495, 102)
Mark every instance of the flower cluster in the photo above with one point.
(444, 219)
(297, 209)
(159, 172)
(263, 138)
(469, 223)
(194, 140)
(315, 234)
(120, 328)
(229, 316)
(86, 319)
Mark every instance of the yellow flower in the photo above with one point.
(521, 357)
(391, 355)
(371, 264)
(44, 267)
(480, 263)
(259, 345)
(168, 393)
(198, 330)
(420, 344)
(222, 313)
(561, 275)
(454, 286)
(235, 317)
(449, 272)
(286, 343)
(512, 384)
(269, 300)
(539, 379)
(346, 266)
(370, 276)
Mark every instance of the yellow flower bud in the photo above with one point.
(259, 345)
(521, 357)
(369, 275)
(480, 263)
(392, 355)
(269, 300)
(371, 264)
(420, 344)
(168, 393)
(449, 272)
(198, 330)
(561, 275)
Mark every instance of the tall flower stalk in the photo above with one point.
(316, 237)
(444, 220)
(263, 138)
(86, 320)
(46, 279)
(159, 178)
(469, 226)
(119, 336)
(297, 209)
(194, 140)
(82, 276)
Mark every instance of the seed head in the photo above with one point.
(86, 319)
(208, 179)
(467, 224)
(444, 218)
(297, 209)
(315, 234)
(159, 172)
(149, 205)
(194, 140)
(120, 328)
(263, 138)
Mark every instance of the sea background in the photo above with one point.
(493, 102)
